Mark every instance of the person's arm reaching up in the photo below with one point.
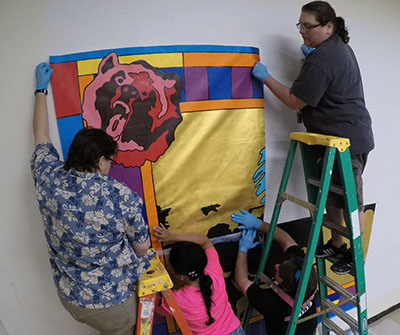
(40, 115)
(247, 220)
(165, 236)
(246, 242)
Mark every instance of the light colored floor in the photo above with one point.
(388, 325)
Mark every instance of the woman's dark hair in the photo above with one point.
(290, 271)
(324, 13)
(87, 147)
(190, 259)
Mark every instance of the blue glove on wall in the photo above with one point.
(246, 241)
(246, 220)
(260, 71)
(43, 74)
(306, 50)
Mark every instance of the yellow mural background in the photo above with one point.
(211, 161)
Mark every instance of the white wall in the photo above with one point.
(32, 30)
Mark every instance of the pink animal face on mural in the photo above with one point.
(136, 104)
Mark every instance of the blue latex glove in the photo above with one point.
(260, 71)
(43, 74)
(306, 50)
(246, 241)
(246, 220)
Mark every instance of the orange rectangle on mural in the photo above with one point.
(83, 82)
(219, 59)
(205, 105)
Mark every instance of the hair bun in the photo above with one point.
(193, 275)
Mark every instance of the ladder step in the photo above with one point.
(342, 230)
(334, 327)
(333, 188)
(339, 289)
(297, 201)
(341, 314)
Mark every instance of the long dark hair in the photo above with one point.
(324, 13)
(190, 259)
(87, 147)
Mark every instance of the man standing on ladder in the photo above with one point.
(275, 310)
(329, 94)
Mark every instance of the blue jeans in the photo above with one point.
(238, 331)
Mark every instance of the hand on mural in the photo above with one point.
(246, 220)
(43, 74)
(306, 50)
(260, 71)
(246, 241)
(163, 234)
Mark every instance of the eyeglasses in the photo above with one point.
(113, 162)
(306, 27)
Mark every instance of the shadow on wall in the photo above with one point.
(3, 330)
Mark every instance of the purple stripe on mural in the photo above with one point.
(130, 176)
(242, 84)
(196, 83)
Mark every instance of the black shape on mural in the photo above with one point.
(162, 215)
(211, 208)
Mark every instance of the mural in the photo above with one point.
(189, 122)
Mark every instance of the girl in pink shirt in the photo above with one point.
(203, 299)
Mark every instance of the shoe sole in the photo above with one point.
(341, 273)
(337, 256)
(338, 272)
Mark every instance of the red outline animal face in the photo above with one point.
(137, 105)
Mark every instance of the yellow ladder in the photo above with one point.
(154, 280)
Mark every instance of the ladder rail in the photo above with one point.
(176, 312)
(353, 223)
(156, 279)
(310, 169)
(313, 237)
(274, 221)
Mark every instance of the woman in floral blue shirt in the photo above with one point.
(97, 237)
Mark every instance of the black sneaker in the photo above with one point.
(344, 265)
(329, 250)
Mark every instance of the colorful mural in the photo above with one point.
(189, 122)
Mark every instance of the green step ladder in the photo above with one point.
(317, 191)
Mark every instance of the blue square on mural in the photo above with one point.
(68, 127)
(179, 71)
(258, 89)
(219, 82)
